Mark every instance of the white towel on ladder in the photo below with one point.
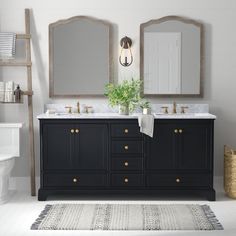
(146, 124)
(7, 45)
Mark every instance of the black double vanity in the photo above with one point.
(110, 156)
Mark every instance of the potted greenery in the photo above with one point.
(126, 95)
(145, 105)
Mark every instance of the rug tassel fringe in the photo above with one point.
(43, 214)
(212, 218)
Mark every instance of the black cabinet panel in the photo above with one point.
(127, 179)
(127, 163)
(194, 147)
(191, 180)
(57, 146)
(91, 147)
(127, 146)
(161, 148)
(74, 180)
(125, 130)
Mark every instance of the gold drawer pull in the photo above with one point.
(176, 131)
(180, 131)
(177, 180)
(77, 131)
(75, 180)
(72, 131)
(126, 163)
(126, 131)
(126, 180)
(126, 147)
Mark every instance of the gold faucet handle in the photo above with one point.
(88, 109)
(69, 109)
(165, 109)
(183, 109)
(78, 107)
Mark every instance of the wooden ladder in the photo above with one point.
(28, 93)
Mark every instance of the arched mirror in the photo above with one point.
(171, 52)
(80, 56)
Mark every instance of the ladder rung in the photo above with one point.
(15, 63)
(23, 36)
(27, 93)
(11, 102)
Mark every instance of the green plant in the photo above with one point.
(144, 104)
(127, 93)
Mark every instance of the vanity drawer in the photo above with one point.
(126, 180)
(127, 164)
(196, 180)
(125, 130)
(72, 180)
(127, 146)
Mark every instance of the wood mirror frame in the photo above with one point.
(52, 26)
(183, 20)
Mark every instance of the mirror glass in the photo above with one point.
(79, 56)
(171, 56)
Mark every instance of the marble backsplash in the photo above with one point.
(104, 108)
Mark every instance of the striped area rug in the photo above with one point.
(126, 217)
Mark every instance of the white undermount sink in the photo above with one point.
(183, 115)
(177, 114)
(90, 115)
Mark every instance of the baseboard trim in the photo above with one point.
(22, 183)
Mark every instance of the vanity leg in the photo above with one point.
(211, 195)
(42, 196)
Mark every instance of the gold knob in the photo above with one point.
(72, 131)
(126, 147)
(126, 131)
(177, 180)
(126, 180)
(77, 131)
(75, 180)
(176, 131)
(180, 131)
(126, 163)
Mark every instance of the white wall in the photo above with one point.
(218, 17)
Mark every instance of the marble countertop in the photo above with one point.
(117, 116)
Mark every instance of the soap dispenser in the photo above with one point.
(17, 93)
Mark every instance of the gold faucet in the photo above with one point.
(69, 109)
(174, 108)
(78, 107)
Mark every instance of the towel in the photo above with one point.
(9, 91)
(146, 124)
(2, 91)
(7, 45)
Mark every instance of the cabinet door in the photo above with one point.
(57, 148)
(91, 147)
(161, 148)
(194, 147)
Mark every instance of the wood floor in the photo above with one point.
(20, 212)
